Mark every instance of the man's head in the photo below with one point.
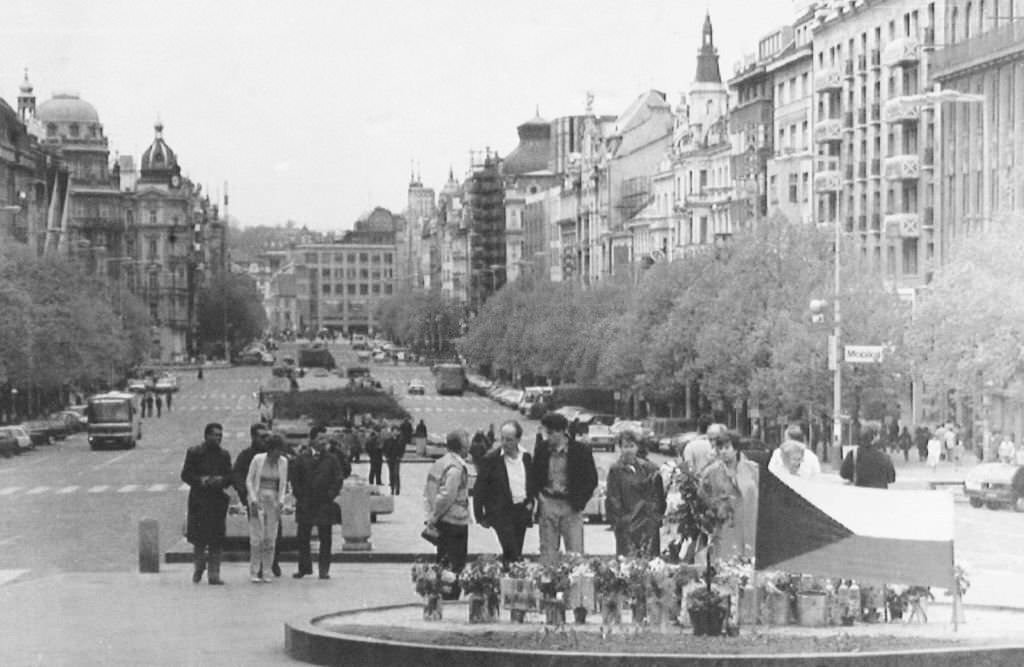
(629, 447)
(792, 455)
(794, 433)
(455, 442)
(213, 434)
(511, 433)
(716, 431)
(319, 443)
(555, 428)
(258, 434)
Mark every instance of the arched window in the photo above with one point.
(967, 21)
(73, 129)
(954, 17)
(981, 16)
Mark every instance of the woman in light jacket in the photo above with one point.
(267, 483)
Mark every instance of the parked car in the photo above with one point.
(417, 387)
(39, 431)
(137, 385)
(634, 426)
(510, 397)
(661, 430)
(8, 445)
(168, 383)
(995, 485)
(21, 437)
(570, 412)
(530, 396)
(77, 421)
(599, 436)
(64, 423)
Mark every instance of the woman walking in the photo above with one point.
(266, 484)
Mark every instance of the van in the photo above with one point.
(530, 396)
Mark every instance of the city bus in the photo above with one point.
(450, 379)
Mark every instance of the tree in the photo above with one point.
(229, 308)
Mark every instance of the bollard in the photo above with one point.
(149, 546)
(355, 517)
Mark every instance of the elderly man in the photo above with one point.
(566, 477)
(504, 493)
(446, 496)
(700, 452)
(793, 458)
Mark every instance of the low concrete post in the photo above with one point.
(421, 445)
(355, 516)
(149, 546)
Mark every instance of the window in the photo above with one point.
(890, 261)
(351, 289)
(387, 290)
(350, 273)
(339, 257)
(804, 78)
(51, 129)
(152, 250)
(152, 217)
(909, 257)
(364, 289)
(310, 258)
(325, 288)
(364, 274)
(793, 184)
(375, 258)
(325, 274)
(375, 290)
(364, 257)
(351, 258)
(375, 275)
(73, 130)
(806, 190)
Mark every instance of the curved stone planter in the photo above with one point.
(309, 641)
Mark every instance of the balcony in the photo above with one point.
(998, 44)
(826, 175)
(903, 225)
(708, 195)
(902, 110)
(902, 167)
(828, 79)
(828, 131)
(902, 51)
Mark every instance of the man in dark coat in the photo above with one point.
(868, 465)
(504, 495)
(566, 477)
(375, 452)
(316, 482)
(406, 432)
(207, 471)
(394, 449)
(258, 434)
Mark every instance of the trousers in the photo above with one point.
(452, 548)
(263, 526)
(376, 465)
(393, 476)
(510, 528)
(303, 533)
(207, 556)
(557, 522)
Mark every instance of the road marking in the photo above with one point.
(7, 576)
(37, 490)
(157, 487)
(99, 489)
(128, 488)
(10, 490)
(113, 460)
(67, 489)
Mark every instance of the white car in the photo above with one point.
(599, 436)
(19, 434)
(167, 383)
(417, 387)
(138, 386)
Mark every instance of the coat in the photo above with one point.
(869, 467)
(446, 493)
(393, 447)
(635, 504)
(207, 471)
(738, 536)
(316, 482)
(581, 469)
(492, 498)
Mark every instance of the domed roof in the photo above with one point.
(159, 156)
(67, 108)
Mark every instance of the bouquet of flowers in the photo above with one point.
(582, 590)
(429, 579)
(482, 576)
(661, 593)
(610, 585)
(519, 592)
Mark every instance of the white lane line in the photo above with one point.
(67, 489)
(157, 487)
(7, 576)
(113, 460)
(128, 488)
(99, 489)
(37, 490)
(10, 490)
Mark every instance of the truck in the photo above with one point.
(114, 420)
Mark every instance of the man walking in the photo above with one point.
(159, 404)
(868, 465)
(503, 496)
(316, 481)
(394, 449)
(566, 478)
(207, 471)
(258, 436)
(375, 453)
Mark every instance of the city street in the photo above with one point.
(67, 509)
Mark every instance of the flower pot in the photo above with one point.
(777, 609)
(749, 603)
(708, 622)
(432, 607)
(811, 609)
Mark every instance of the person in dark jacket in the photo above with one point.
(905, 442)
(375, 452)
(503, 498)
(421, 430)
(635, 501)
(479, 446)
(316, 482)
(207, 471)
(394, 450)
(868, 465)
(258, 435)
(566, 477)
(405, 431)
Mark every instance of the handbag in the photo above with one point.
(431, 534)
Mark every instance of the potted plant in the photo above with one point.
(662, 604)
(707, 608)
(582, 594)
(610, 587)
(553, 583)
(481, 582)
(427, 578)
(519, 590)
(636, 572)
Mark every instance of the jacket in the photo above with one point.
(252, 479)
(635, 494)
(240, 471)
(446, 493)
(581, 471)
(207, 470)
(868, 466)
(492, 496)
(316, 482)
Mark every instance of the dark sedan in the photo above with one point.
(40, 431)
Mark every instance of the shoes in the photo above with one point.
(197, 575)
(267, 580)
(255, 580)
(298, 575)
(276, 569)
(324, 575)
(216, 582)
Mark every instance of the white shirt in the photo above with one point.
(516, 472)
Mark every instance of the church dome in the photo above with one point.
(159, 156)
(67, 108)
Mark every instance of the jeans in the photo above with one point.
(452, 547)
(376, 465)
(393, 479)
(558, 522)
(263, 526)
(303, 533)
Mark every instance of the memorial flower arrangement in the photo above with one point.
(482, 576)
(429, 580)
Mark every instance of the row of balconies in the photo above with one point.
(829, 178)
(897, 53)
(906, 109)
(895, 225)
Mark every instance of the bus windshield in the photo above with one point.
(449, 378)
(108, 412)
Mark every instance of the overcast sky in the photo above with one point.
(312, 110)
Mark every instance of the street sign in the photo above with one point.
(863, 354)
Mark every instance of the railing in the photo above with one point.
(987, 46)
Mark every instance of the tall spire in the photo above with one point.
(26, 100)
(707, 57)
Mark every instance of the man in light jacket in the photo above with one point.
(447, 503)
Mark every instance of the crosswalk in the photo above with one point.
(76, 489)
